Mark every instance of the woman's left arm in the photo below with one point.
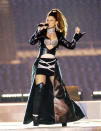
(72, 44)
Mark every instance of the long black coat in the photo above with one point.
(57, 107)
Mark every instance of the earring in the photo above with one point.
(57, 27)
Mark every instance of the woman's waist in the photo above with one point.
(47, 62)
(47, 55)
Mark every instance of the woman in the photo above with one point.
(49, 102)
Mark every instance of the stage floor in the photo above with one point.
(12, 114)
(81, 125)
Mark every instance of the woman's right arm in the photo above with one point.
(34, 38)
(37, 35)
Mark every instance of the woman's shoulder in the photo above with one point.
(59, 33)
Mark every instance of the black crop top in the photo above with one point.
(41, 37)
(53, 44)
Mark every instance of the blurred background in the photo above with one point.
(80, 67)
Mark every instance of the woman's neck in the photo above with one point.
(51, 31)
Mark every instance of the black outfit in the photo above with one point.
(48, 65)
(55, 104)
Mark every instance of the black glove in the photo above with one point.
(36, 36)
(78, 36)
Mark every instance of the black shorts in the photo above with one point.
(46, 66)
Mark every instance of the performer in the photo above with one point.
(49, 102)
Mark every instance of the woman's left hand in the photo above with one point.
(77, 30)
(78, 35)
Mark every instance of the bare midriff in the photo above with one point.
(47, 56)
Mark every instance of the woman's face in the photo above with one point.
(51, 22)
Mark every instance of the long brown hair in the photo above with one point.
(62, 22)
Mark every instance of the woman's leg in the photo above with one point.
(37, 98)
(52, 80)
(40, 79)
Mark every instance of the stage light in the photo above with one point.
(21, 97)
(25, 95)
(11, 95)
(14, 97)
(79, 93)
(97, 94)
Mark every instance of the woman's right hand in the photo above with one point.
(42, 27)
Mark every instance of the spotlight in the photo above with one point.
(79, 93)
